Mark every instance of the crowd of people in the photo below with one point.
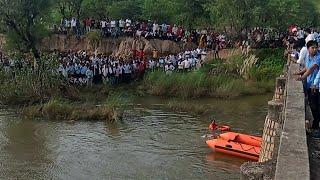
(303, 43)
(147, 29)
(258, 37)
(83, 69)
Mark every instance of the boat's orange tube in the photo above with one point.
(214, 127)
(235, 149)
(242, 138)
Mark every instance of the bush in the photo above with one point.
(61, 110)
(238, 75)
(23, 85)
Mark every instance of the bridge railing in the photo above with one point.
(293, 158)
(284, 147)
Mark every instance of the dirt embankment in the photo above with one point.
(120, 47)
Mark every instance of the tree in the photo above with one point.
(190, 12)
(63, 6)
(25, 21)
(76, 7)
(125, 9)
(224, 13)
(158, 10)
(244, 14)
(95, 8)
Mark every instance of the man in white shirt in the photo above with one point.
(180, 66)
(74, 25)
(113, 24)
(186, 65)
(104, 27)
(155, 29)
(121, 24)
(302, 56)
(310, 36)
(128, 23)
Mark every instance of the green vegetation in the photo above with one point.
(221, 78)
(59, 109)
(25, 86)
(269, 66)
(26, 22)
(43, 93)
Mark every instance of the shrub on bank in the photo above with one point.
(198, 84)
(269, 66)
(235, 76)
(57, 110)
(22, 85)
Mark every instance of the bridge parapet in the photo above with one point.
(284, 150)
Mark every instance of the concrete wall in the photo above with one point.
(284, 150)
(293, 159)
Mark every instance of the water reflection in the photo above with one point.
(112, 128)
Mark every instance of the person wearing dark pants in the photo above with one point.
(313, 99)
(310, 73)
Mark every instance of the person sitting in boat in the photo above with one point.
(214, 126)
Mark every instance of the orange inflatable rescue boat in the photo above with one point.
(236, 144)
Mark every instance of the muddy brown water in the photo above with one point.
(150, 142)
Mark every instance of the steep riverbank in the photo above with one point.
(233, 76)
(119, 47)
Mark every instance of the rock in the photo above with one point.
(257, 171)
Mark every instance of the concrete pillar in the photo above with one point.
(280, 88)
(271, 136)
(274, 122)
(256, 170)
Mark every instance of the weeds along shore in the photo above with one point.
(44, 93)
(224, 78)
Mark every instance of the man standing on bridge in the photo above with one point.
(311, 73)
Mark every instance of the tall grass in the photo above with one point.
(62, 110)
(234, 76)
(198, 84)
(24, 85)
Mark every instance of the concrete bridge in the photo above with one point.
(284, 153)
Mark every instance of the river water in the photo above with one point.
(150, 142)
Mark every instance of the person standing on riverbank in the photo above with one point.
(310, 72)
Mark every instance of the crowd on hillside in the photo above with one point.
(303, 44)
(205, 38)
(82, 68)
(258, 37)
